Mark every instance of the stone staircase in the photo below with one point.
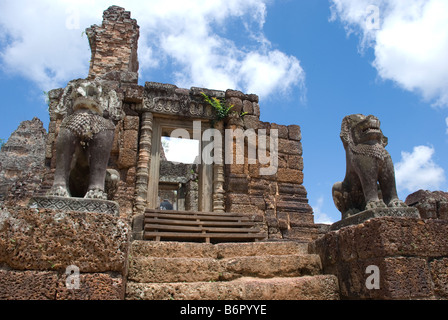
(271, 270)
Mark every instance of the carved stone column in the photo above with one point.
(144, 163)
(218, 176)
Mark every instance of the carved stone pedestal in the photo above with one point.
(375, 213)
(75, 204)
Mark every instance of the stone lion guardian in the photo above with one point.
(370, 178)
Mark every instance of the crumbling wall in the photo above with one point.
(114, 44)
(431, 205)
(22, 162)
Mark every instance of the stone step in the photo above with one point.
(321, 287)
(159, 270)
(218, 251)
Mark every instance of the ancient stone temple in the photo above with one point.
(158, 192)
(146, 116)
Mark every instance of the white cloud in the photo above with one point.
(319, 216)
(411, 44)
(417, 170)
(41, 41)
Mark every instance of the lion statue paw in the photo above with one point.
(375, 205)
(59, 191)
(96, 194)
(397, 203)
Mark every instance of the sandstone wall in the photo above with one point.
(279, 200)
(411, 256)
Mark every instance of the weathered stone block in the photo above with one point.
(304, 232)
(300, 219)
(28, 285)
(237, 198)
(439, 273)
(97, 286)
(398, 278)
(399, 247)
(290, 147)
(292, 189)
(237, 168)
(294, 132)
(133, 93)
(262, 187)
(248, 107)
(431, 205)
(290, 175)
(295, 162)
(283, 220)
(237, 104)
(127, 158)
(235, 94)
(259, 202)
(130, 140)
(132, 123)
(51, 240)
(281, 129)
(251, 122)
(238, 183)
(298, 288)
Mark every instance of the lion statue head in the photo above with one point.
(362, 135)
(98, 97)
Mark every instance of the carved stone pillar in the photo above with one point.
(218, 176)
(144, 163)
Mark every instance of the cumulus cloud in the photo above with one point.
(44, 42)
(319, 216)
(410, 43)
(417, 170)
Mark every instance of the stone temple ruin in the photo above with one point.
(98, 208)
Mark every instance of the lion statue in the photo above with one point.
(89, 110)
(370, 178)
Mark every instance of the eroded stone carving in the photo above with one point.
(370, 178)
(89, 109)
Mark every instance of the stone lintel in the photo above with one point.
(375, 213)
(75, 204)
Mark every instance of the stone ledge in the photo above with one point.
(75, 204)
(322, 287)
(375, 213)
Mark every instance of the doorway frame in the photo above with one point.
(205, 181)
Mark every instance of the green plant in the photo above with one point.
(222, 111)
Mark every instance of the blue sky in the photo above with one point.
(312, 62)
